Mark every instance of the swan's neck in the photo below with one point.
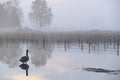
(27, 52)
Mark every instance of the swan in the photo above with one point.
(25, 58)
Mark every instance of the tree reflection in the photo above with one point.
(9, 54)
(39, 55)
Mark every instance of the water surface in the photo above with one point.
(58, 62)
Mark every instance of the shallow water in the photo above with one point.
(56, 62)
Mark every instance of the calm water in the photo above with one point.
(58, 62)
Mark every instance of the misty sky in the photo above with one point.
(80, 14)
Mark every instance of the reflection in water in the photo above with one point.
(40, 52)
(100, 70)
(13, 52)
(24, 67)
(39, 55)
(9, 54)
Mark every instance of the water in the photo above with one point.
(57, 62)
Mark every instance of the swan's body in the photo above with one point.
(25, 58)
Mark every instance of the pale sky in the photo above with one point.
(86, 14)
(80, 14)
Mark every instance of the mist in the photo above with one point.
(76, 15)
(87, 15)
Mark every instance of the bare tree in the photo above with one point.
(40, 14)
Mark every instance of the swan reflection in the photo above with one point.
(24, 67)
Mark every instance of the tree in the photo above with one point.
(40, 14)
(2, 15)
(11, 14)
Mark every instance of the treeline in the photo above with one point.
(82, 37)
(90, 39)
(10, 14)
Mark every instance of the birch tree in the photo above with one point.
(40, 14)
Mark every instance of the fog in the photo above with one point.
(91, 22)
(75, 15)
(88, 14)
